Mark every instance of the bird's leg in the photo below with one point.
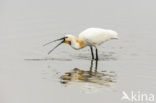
(91, 66)
(92, 52)
(97, 54)
(96, 66)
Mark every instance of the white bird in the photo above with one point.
(92, 37)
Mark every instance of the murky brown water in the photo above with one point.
(29, 75)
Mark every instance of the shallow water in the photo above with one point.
(29, 75)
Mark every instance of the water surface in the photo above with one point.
(29, 75)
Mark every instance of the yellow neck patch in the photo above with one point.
(67, 42)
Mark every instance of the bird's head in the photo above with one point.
(74, 42)
(69, 39)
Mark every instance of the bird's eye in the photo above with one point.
(65, 37)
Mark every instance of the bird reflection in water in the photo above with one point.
(91, 78)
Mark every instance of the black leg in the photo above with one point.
(97, 54)
(92, 52)
(96, 65)
(91, 66)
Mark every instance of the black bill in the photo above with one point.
(54, 41)
(55, 47)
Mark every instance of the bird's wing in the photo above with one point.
(96, 36)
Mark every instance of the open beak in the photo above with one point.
(63, 41)
(54, 41)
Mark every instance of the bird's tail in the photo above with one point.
(115, 37)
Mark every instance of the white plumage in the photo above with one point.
(96, 36)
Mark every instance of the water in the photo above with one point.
(29, 75)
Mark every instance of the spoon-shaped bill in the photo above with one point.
(54, 41)
(55, 47)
